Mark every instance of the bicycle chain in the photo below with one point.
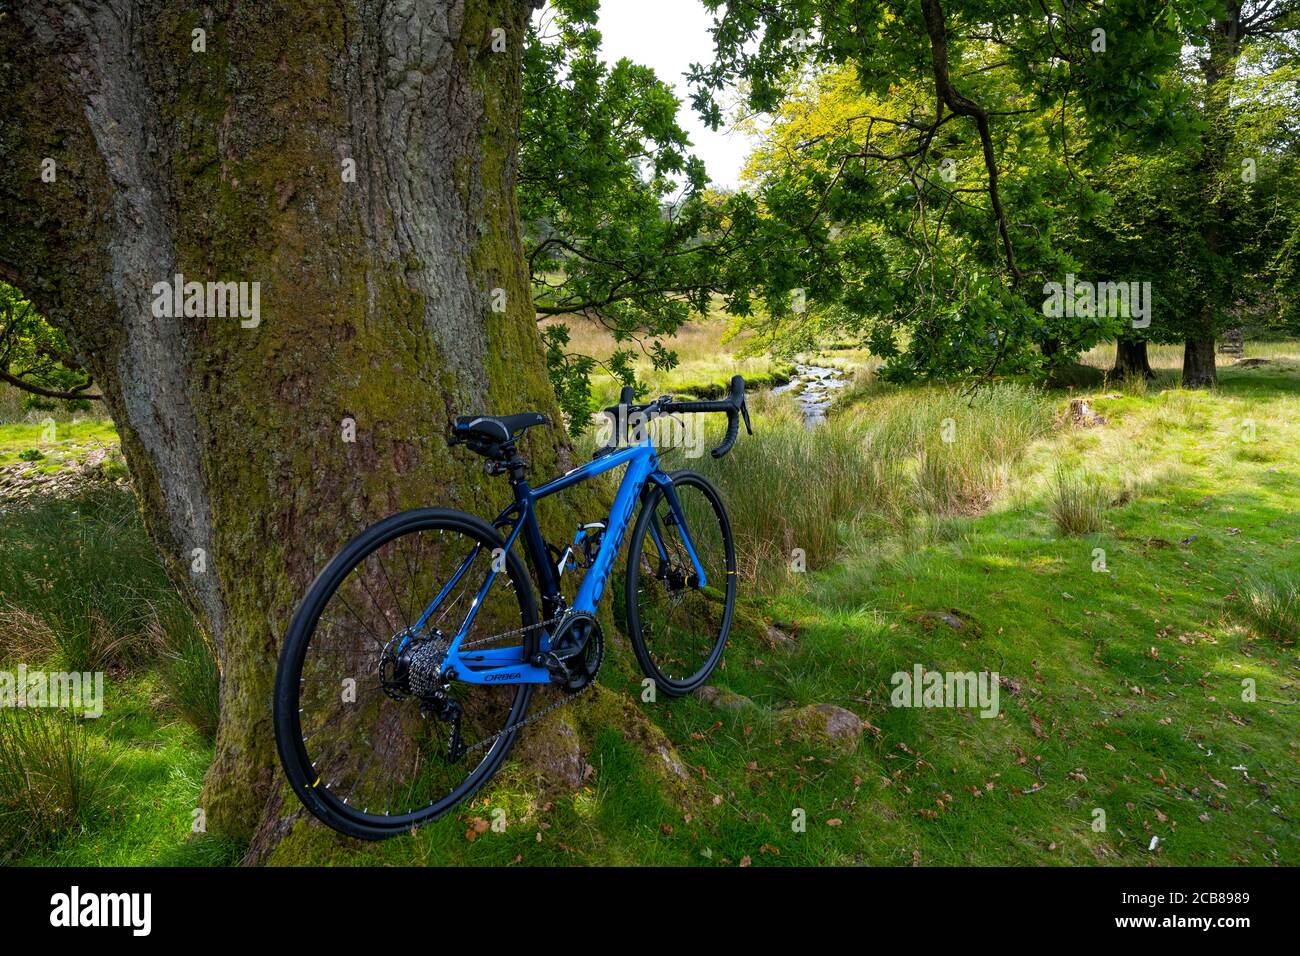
(564, 699)
(520, 725)
(523, 630)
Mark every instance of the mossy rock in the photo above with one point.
(721, 698)
(750, 627)
(551, 753)
(822, 725)
(604, 708)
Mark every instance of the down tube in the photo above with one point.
(620, 516)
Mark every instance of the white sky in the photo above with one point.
(668, 36)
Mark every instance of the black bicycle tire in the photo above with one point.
(288, 732)
(669, 686)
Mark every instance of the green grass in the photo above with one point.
(1128, 652)
(55, 778)
(1271, 607)
(157, 764)
(83, 571)
(796, 495)
(1125, 686)
(81, 589)
(58, 443)
(1078, 503)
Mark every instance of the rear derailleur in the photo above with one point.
(446, 709)
(412, 667)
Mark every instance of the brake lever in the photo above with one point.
(744, 411)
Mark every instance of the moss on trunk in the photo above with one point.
(377, 295)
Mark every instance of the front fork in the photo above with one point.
(679, 519)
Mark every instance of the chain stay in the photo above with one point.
(565, 698)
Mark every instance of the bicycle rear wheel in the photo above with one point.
(679, 628)
(361, 717)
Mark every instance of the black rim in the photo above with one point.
(371, 748)
(681, 628)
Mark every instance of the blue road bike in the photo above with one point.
(409, 669)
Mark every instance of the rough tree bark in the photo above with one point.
(1199, 369)
(1131, 359)
(1218, 68)
(231, 164)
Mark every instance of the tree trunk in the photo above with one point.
(1050, 349)
(1131, 359)
(1218, 69)
(377, 291)
(1198, 364)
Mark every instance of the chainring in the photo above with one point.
(579, 643)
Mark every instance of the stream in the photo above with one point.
(812, 387)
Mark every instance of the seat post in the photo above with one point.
(518, 468)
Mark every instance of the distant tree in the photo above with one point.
(1222, 258)
(1240, 52)
(620, 226)
(926, 217)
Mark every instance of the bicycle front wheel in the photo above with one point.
(678, 625)
(362, 714)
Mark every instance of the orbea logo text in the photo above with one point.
(103, 909)
(208, 300)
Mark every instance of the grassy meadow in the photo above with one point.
(1135, 585)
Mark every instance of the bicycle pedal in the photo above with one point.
(555, 666)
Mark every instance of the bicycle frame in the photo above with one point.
(506, 665)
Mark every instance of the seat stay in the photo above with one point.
(446, 589)
(481, 596)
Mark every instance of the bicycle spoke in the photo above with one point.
(377, 750)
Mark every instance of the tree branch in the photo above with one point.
(959, 104)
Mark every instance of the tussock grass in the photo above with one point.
(55, 778)
(24, 634)
(789, 489)
(796, 494)
(81, 587)
(1136, 386)
(1180, 409)
(187, 667)
(1077, 502)
(1271, 608)
(72, 571)
(84, 573)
